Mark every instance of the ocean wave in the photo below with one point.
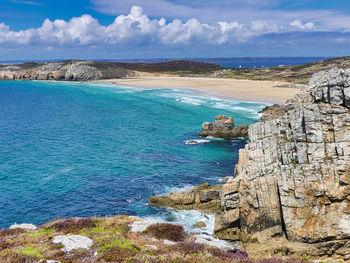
(190, 100)
(187, 218)
(196, 141)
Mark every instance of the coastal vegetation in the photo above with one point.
(115, 241)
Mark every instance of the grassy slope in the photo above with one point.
(115, 242)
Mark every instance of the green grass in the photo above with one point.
(31, 251)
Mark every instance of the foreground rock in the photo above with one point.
(23, 226)
(292, 180)
(224, 127)
(204, 198)
(72, 242)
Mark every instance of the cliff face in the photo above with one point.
(292, 179)
(65, 70)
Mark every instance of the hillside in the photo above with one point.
(296, 74)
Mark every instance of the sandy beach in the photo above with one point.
(250, 90)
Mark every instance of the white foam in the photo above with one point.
(187, 218)
(196, 141)
(190, 100)
(168, 189)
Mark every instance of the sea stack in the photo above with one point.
(224, 127)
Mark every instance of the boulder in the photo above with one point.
(224, 127)
(23, 226)
(72, 242)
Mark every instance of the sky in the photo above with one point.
(122, 29)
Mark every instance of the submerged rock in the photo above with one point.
(204, 198)
(292, 179)
(224, 127)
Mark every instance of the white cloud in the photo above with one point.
(137, 28)
(300, 25)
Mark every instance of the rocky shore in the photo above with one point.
(65, 70)
(73, 70)
(203, 198)
(290, 194)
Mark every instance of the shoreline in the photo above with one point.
(246, 90)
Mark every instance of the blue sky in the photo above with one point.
(112, 29)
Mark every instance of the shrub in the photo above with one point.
(74, 225)
(19, 258)
(167, 231)
(189, 248)
(117, 254)
(269, 260)
(6, 243)
(160, 259)
(229, 253)
(11, 232)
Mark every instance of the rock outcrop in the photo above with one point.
(204, 198)
(65, 70)
(293, 177)
(224, 127)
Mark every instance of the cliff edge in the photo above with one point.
(292, 178)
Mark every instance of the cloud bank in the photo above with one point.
(137, 28)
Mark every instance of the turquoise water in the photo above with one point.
(94, 149)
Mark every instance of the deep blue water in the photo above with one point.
(94, 149)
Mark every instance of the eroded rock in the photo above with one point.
(204, 198)
(224, 127)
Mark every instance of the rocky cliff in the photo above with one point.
(65, 70)
(292, 178)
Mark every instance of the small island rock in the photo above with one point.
(224, 127)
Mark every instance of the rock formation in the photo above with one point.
(292, 179)
(204, 198)
(224, 127)
(65, 70)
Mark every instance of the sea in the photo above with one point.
(86, 149)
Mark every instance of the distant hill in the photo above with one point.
(95, 70)
(296, 74)
(71, 70)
